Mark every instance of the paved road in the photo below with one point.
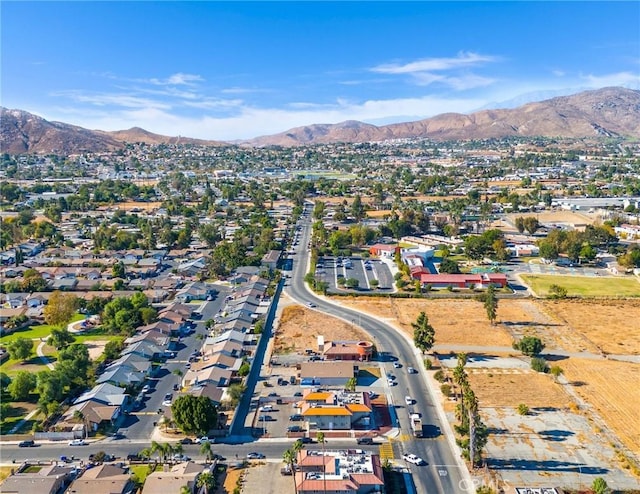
(139, 424)
(273, 450)
(444, 474)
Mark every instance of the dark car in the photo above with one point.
(186, 440)
(365, 440)
(134, 457)
(26, 444)
(306, 440)
(296, 417)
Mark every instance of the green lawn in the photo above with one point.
(35, 332)
(584, 286)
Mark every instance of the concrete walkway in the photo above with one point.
(43, 357)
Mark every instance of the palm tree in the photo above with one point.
(206, 481)
(289, 457)
(320, 438)
(145, 453)
(205, 449)
(177, 449)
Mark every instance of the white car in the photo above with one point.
(392, 382)
(408, 400)
(78, 442)
(203, 439)
(411, 458)
(311, 304)
(397, 365)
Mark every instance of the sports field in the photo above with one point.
(584, 286)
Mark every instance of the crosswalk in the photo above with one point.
(386, 451)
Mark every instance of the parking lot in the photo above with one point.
(331, 269)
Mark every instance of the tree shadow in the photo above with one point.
(555, 435)
(550, 357)
(543, 465)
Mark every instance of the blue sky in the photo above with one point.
(234, 70)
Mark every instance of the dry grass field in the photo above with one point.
(300, 327)
(461, 321)
(610, 325)
(499, 389)
(547, 217)
(612, 388)
(595, 326)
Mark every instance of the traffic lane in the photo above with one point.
(122, 448)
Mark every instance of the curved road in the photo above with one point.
(445, 472)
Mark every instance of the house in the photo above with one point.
(173, 480)
(105, 393)
(145, 349)
(212, 376)
(384, 250)
(121, 375)
(338, 409)
(103, 479)
(45, 479)
(270, 259)
(347, 471)
(328, 417)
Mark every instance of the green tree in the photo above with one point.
(60, 308)
(423, 333)
(20, 348)
(22, 386)
(206, 482)
(60, 338)
(523, 409)
(490, 303)
(205, 449)
(529, 345)
(194, 415)
(556, 371)
(351, 384)
(449, 266)
(289, 458)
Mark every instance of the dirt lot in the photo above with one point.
(498, 389)
(299, 329)
(610, 325)
(96, 348)
(612, 388)
(446, 316)
(548, 217)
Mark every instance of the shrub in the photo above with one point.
(523, 409)
(529, 345)
(539, 364)
(439, 376)
(428, 364)
(557, 292)
(446, 390)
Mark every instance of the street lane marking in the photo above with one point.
(386, 451)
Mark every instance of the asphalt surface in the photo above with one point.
(443, 473)
(140, 424)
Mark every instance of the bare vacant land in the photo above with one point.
(613, 326)
(594, 326)
(550, 217)
(300, 327)
(462, 321)
(612, 388)
(500, 389)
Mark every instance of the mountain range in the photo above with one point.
(610, 112)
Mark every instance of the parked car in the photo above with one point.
(180, 457)
(296, 417)
(203, 439)
(294, 428)
(145, 389)
(397, 365)
(78, 442)
(297, 393)
(267, 408)
(266, 418)
(26, 444)
(186, 440)
(255, 456)
(408, 400)
(167, 400)
(305, 440)
(364, 440)
(133, 457)
(411, 458)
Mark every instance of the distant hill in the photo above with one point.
(607, 112)
(22, 132)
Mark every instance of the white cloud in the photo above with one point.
(118, 100)
(434, 64)
(248, 121)
(626, 79)
(177, 80)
